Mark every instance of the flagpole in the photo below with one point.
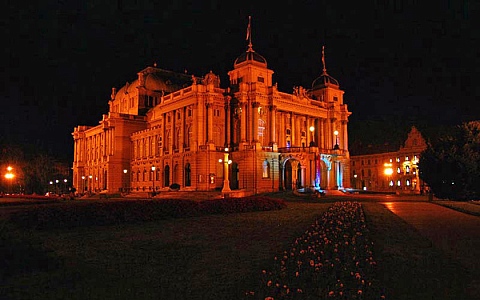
(249, 32)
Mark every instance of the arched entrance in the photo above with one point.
(323, 175)
(177, 176)
(292, 175)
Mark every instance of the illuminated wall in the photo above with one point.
(395, 172)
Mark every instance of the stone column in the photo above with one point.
(227, 121)
(345, 135)
(209, 109)
(293, 133)
(255, 106)
(243, 116)
(273, 114)
(281, 131)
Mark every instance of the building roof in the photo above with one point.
(250, 56)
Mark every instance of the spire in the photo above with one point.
(323, 60)
(249, 34)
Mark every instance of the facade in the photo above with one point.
(165, 128)
(391, 171)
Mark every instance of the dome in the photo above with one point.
(128, 88)
(154, 82)
(324, 80)
(251, 56)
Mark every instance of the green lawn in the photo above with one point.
(209, 257)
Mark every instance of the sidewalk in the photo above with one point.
(454, 232)
(470, 207)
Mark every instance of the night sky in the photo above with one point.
(399, 62)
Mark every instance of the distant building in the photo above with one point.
(391, 171)
(164, 128)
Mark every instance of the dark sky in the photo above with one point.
(399, 62)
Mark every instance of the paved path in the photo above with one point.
(456, 233)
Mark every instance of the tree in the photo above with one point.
(451, 166)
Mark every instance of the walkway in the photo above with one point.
(455, 233)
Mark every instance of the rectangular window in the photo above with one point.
(260, 79)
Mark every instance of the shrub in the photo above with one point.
(75, 214)
(175, 186)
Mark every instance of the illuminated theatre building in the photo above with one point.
(165, 128)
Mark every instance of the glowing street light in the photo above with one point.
(388, 171)
(125, 171)
(336, 147)
(9, 176)
(83, 184)
(226, 162)
(153, 181)
(312, 130)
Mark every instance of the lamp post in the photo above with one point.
(312, 142)
(126, 179)
(83, 184)
(56, 187)
(51, 186)
(9, 176)
(388, 171)
(153, 181)
(65, 185)
(226, 162)
(336, 147)
(90, 184)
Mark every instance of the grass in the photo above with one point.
(208, 257)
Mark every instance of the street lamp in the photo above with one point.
(9, 176)
(90, 184)
(336, 147)
(126, 179)
(226, 162)
(388, 171)
(312, 142)
(153, 180)
(83, 184)
(65, 187)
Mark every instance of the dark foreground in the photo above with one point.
(211, 257)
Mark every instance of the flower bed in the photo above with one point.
(68, 215)
(333, 259)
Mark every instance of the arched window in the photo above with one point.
(261, 130)
(189, 137)
(188, 175)
(265, 169)
(166, 176)
(177, 138)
